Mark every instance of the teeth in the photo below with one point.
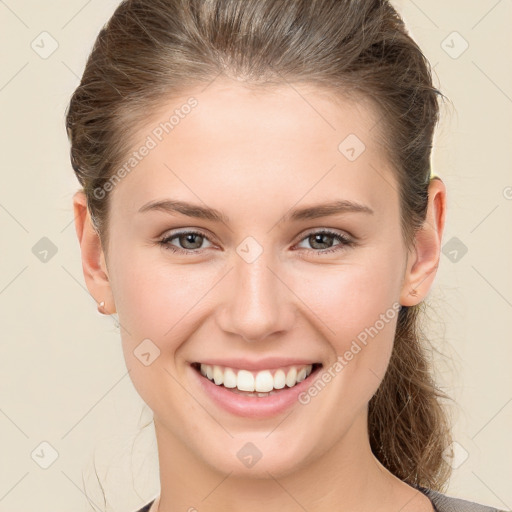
(279, 379)
(264, 381)
(245, 381)
(229, 378)
(261, 383)
(291, 377)
(301, 375)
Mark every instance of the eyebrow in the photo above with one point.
(188, 209)
(305, 213)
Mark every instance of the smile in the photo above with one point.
(262, 382)
(254, 393)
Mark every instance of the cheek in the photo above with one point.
(356, 306)
(154, 297)
(348, 298)
(165, 302)
(159, 300)
(155, 302)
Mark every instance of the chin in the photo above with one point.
(257, 456)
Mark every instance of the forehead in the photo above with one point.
(247, 143)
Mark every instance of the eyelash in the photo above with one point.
(344, 242)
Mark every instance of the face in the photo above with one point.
(275, 282)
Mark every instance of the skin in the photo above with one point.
(255, 156)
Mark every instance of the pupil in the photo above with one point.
(318, 237)
(190, 238)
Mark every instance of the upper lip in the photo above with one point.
(267, 363)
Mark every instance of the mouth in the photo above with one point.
(262, 384)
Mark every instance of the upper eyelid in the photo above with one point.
(169, 235)
(300, 238)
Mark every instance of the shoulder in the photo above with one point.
(146, 508)
(444, 503)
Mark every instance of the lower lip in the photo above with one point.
(253, 406)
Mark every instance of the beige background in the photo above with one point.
(63, 378)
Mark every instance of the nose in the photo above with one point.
(258, 301)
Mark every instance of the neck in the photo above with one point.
(346, 477)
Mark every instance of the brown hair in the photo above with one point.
(151, 50)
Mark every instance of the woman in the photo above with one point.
(258, 208)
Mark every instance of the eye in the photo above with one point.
(326, 237)
(190, 240)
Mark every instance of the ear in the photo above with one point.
(93, 259)
(423, 258)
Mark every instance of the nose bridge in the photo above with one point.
(257, 304)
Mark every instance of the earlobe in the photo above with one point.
(93, 258)
(423, 259)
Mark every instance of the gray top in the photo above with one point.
(441, 503)
(444, 503)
